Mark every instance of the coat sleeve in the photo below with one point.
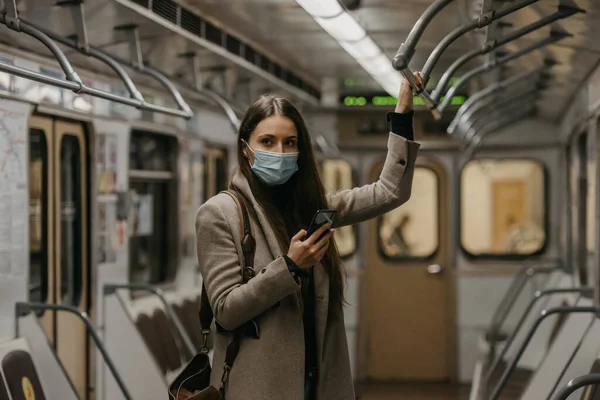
(392, 189)
(232, 302)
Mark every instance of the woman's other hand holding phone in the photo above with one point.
(307, 252)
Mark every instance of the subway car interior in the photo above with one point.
(484, 285)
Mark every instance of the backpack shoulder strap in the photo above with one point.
(248, 241)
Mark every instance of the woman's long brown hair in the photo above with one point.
(303, 194)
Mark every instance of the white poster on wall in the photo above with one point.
(13, 187)
(145, 215)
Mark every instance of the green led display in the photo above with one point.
(360, 101)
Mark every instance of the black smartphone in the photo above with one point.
(320, 218)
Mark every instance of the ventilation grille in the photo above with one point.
(194, 24)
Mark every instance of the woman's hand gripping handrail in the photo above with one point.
(407, 50)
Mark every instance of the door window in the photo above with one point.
(412, 230)
(503, 207)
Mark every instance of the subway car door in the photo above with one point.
(408, 283)
(59, 198)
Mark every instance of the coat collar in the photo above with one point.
(240, 182)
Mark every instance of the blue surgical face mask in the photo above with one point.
(273, 168)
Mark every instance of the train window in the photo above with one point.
(70, 220)
(503, 207)
(215, 170)
(153, 224)
(38, 216)
(336, 175)
(412, 231)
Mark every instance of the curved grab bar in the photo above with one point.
(498, 94)
(113, 62)
(576, 384)
(514, 291)
(224, 105)
(73, 81)
(477, 23)
(494, 88)
(505, 105)
(512, 119)
(500, 113)
(499, 100)
(563, 12)
(185, 110)
(554, 37)
(536, 297)
(23, 309)
(545, 314)
(94, 53)
(407, 49)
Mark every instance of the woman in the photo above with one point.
(296, 297)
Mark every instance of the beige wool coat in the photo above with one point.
(272, 367)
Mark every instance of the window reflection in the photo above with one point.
(38, 216)
(502, 207)
(70, 220)
(152, 220)
(215, 170)
(411, 230)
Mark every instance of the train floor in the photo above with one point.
(407, 391)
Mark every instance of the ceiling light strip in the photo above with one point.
(353, 38)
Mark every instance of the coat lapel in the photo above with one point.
(320, 275)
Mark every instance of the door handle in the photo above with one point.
(434, 269)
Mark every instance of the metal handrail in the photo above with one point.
(537, 296)
(23, 309)
(477, 23)
(545, 314)
(471, 124)
(514, 291)
(490, 90)
(563, 11)
(477, 137)
(502, 108)
(73, 81)
(576, 384)
(407, 50)
(113, 61)
(111, 288)
(488, 101)
(553, 38)
(224, 105)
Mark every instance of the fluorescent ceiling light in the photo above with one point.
(354, 39)
(342, 27)
(321, 8)
(365, 48)
(377, 66)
